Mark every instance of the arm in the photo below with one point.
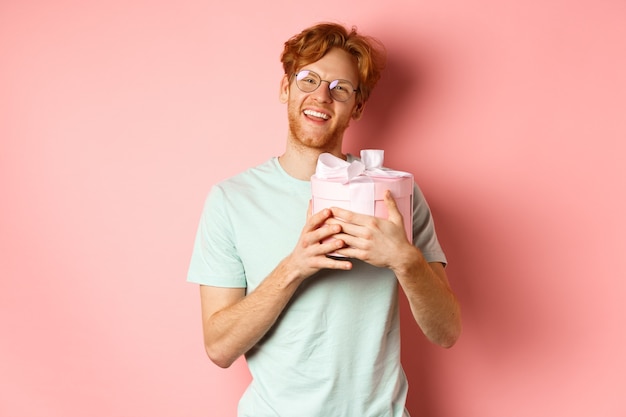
(383, 243)
(234, 322)
(433, 304)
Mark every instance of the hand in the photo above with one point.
(379, 242)
(309, 255)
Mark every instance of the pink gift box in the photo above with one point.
(360, 187)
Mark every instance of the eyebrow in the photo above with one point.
(331, 78)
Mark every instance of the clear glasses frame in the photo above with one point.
(309, 81)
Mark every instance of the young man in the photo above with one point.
(320, 334)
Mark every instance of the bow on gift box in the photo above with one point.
(370, 165)
(358, 175)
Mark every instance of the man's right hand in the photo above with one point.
(309, 255)
(234, 321)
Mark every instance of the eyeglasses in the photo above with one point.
(309, 81)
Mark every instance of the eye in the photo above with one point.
(307, 77)
(341, 86)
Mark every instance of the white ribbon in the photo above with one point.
(370, 165)
(358, 175)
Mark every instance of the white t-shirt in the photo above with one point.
(335, 350)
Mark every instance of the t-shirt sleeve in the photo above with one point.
(214, 260)
(424, 234)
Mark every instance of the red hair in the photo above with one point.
(313, 43)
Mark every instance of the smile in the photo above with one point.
(316, 114)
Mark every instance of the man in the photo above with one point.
(320, 334)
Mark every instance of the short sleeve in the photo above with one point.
(214, 260)
(424, 234)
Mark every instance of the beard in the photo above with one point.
(321, 138)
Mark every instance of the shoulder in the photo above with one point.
(249, 185)
(267, 168)
(248, 179)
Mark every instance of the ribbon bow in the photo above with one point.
(358, 176)
(370, 165)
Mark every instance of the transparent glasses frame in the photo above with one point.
(302, 75)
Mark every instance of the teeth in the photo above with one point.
(316, 114)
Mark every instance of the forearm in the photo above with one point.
(433, 304)
(234, 329)
(234, 322)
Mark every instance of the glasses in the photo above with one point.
(309, 81)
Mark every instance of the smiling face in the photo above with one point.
(316, 120)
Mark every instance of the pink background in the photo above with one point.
(116, 117)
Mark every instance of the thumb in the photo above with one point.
(394, 215)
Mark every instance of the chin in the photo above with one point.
(318, 143)
(326, 141)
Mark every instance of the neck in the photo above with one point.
(300, 163)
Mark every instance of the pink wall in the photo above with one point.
(115, 118)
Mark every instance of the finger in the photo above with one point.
(348, 241)
(334, 263)
(350, 252)
(326, 231)
(321, 251)
(330, 245)
(316, 220)
(321, 237)
(394, 214)
(348, 216)
(348, 230)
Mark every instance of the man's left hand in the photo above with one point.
(374, 240)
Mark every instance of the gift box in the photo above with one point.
(360, 186)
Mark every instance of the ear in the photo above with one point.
(284, 89)
(358, 111)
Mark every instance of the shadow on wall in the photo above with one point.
(400, 82)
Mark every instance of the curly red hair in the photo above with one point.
(313, 43)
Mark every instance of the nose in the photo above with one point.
(322, 93)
